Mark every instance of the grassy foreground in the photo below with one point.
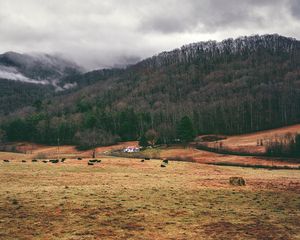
(126, 199)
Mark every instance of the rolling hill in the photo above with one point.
(232, 87)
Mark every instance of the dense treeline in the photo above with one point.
(287, 145)
(235, 86)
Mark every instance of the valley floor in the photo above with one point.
(127, 199)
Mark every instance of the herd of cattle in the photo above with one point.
(91, 162)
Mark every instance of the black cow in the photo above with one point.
(54, 160)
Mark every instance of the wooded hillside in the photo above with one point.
(234, 86)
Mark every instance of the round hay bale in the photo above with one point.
(237, 181)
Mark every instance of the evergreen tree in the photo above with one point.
(185, 130)
(297, 146)
(2, 136)
(143, 141)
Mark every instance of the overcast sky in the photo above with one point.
(104, 33)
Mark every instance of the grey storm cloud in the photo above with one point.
(108, 33)
(295, 8)
(212, 15)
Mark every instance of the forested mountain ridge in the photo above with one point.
(27, 78)
(209, 49)
(37, 68)
(233, 86)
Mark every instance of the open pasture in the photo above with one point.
(128, 199)
(249, 142)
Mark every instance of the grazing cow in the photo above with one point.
(147, 158)
(54, 161)
(162, 165)
(93, 160)
(98, 161)
(45, 161)
(5, 160)
(79, 158)
(33, 160)
(166, 161)
(143, 160)
(23, 160)
(63, 159)
(90, 163)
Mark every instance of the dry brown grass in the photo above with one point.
(248, 142)
(35, 150)
(209, 157)
(126, 199)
